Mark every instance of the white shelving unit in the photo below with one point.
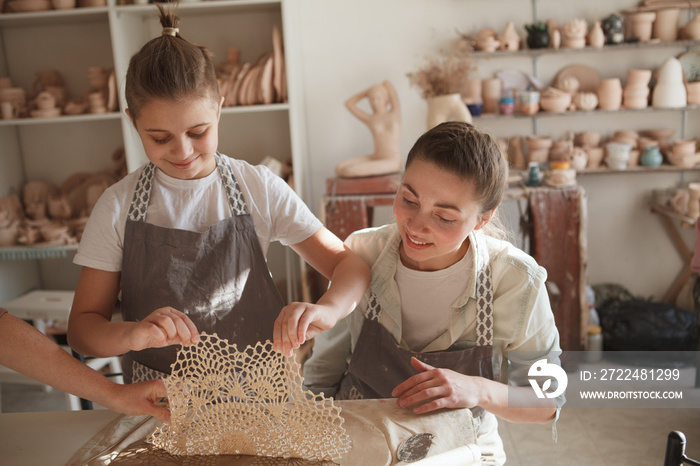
(71, 41)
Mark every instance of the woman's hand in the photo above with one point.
(138, 398)
(163, 327)
(298, 322)
(437, 388)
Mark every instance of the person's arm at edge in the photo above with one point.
(26, 350)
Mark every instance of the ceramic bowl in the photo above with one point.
(475, 109)
(538, 142)
(682, 147)
(684, 161)
(587, 139)
(555, 101)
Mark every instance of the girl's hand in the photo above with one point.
(139, 398)
(436, 388)
(163, 327)
(298, 322)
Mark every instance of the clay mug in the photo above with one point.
(9, 111)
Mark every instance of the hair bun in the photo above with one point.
(170, 31)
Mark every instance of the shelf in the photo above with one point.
(205, 7)
(19, 253)
(36, 18)
(543, 114)
(587, 49)
(255, 108)
(61, 119)
(640, 169)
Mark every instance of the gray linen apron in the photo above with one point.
(378, 364)
(219, 277)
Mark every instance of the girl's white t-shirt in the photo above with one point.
(194, 205)
(427, 298)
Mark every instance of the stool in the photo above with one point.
(43, 307)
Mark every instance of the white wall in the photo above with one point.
(347, 46)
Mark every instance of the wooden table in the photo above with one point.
(48, 438)
(669, 217)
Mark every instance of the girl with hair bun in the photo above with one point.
(182, 240)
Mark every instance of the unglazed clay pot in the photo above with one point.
(691, 31)
(610, 94)
(666, 24)
(693, 92)
(636, 93)
(555, 101)
(471, 91)
(491, 91)
(640, 25)
(595, 156)
(587, 139)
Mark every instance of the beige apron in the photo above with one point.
(219, 277)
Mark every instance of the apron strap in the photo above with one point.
(142, 194)
(484, 307)
(233, 190)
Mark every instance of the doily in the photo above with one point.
(229, 402)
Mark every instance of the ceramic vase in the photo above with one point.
(651, 157)
(666, 24)
(492, 89)
(610, 94)
(640, 25)
(447, 108)
(555, 39)
(596, 36)
(669, 91)
(612, 27)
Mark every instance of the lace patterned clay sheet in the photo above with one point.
(248, 408)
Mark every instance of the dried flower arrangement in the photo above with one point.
(442, 76)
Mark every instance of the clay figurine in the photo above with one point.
(385, 125)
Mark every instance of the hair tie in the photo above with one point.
(170, 31)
